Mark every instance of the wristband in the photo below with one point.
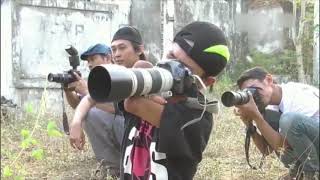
(251, 129)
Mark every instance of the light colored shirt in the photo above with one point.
(301, 98)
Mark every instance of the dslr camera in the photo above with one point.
(67, 76)
(232, 98)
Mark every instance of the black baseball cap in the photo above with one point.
(206, 44)
(96, 49)
(128, 33)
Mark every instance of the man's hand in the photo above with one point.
(245, 120)
(80, 86)
(77, 137)
(154, 98)
(248, 112)
(148, 108)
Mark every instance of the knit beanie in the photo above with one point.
(206, 44)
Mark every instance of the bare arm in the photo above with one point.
(83, 108)
(146, 109)
(77, 138)
(272, 137)
(261, 143)
(258, 139)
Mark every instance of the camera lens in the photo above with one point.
(50, 77)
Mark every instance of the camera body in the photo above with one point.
(182, 76)
(231, 98)
(110, 82)
(67, 76)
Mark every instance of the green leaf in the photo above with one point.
(7, 172)
(54, 133)
(51, 125)
(53, 130)
(25, 143)
(25, 133)
(33, 141)
(37, 154)
(29, 108)
(19, 178)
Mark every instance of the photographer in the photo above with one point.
(297, 131)
(157, 144)
(127, 48)
(104, 132)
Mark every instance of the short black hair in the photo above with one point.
(137, 48)
(129, 33)
(254, 73)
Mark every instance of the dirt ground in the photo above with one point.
(223, 158)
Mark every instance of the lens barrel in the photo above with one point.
(64, 78)
(231, 98)
(111, 82)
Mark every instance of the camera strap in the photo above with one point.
(194, 103)
(64, 115)
(212, 106)
(272, 117)
(249, 131)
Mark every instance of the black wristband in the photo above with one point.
(251, 129)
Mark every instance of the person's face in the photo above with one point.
(124, 53)
(264, 88)
(179, 54)
(98, 59)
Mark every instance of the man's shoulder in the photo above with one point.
(295, 85)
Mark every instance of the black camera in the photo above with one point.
(112, 82)
(231, 98)
(67, 76)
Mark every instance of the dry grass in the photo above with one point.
(224, 157)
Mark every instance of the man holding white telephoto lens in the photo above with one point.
(165, 137)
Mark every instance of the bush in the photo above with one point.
(281, 63)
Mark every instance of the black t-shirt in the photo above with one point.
(166, 152)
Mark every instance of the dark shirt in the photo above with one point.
(166, 152)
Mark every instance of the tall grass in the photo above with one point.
(223, 158)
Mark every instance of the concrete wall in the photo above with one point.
(216, 12)
(146, 16)
(36, 32)
(265, 27)
(34, 35)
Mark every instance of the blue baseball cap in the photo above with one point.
(96, 49)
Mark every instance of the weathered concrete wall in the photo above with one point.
(146, 16)
(216, 12)
(34, 34)
(40, 32)
(168, 12)
(316, 44)
(42, 29)
(6, 57)
(265, 27)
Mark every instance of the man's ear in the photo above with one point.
(269, 79)
(141, 49)
(109, 59)
(210, 80)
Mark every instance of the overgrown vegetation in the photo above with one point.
(34, 147)
(282, 64)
